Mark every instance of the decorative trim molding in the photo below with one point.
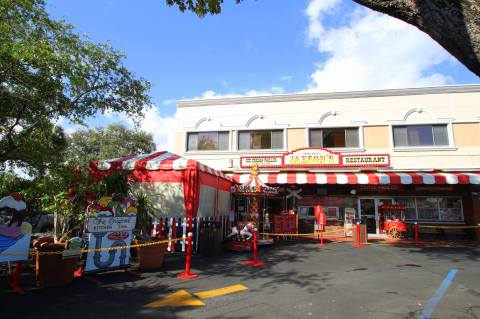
(472, 88)
(324, 116)
(203, 119)
(253, 118)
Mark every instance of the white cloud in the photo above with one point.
(210, 94)
(168, 102)
(162, 128)
(370, 51)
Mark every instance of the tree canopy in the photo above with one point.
(48, 73)
(85, 146)
(454, 24)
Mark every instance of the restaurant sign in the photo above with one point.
(315, 158)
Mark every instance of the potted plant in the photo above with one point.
(53, 267)
(152, 256)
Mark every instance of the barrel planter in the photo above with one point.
(52, 270)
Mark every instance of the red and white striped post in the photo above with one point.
(255, 262)
(187, 274)
(417, 241)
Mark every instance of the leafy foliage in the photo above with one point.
(85, 146)
(200, 7)
(49, 73)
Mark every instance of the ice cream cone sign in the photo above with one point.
(15, 234)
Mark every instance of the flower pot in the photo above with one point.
(53, 270)
(151, 257)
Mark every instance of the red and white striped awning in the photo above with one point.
(370, 178)
(154, 161)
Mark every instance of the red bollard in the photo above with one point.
(255, 262)
(417, 241)
(15, 279)
(187, 274)
(358, 244)
(321, 239)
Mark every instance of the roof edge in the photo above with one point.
(467, 88)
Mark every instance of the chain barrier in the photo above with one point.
(305, 234)
(448, 227)
(34, 252)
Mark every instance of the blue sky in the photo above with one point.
(259, 47)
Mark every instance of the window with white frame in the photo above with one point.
(334, 137)
(207, 141)
(260, 139)
(420, 135)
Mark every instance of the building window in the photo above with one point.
(207, 141)
(332, 212)
(420, 135)
(334, 137)
(447, 209)
(260, 140)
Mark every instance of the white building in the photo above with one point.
(416, 147)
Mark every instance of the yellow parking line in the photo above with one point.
(219, 292)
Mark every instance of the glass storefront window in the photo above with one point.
(450, 209)
(427, 208)
(410, 209)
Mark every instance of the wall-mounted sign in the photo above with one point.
(315, 158)
(261, 161)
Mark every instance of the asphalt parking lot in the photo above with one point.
(299, 280)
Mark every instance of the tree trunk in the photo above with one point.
(454, 24)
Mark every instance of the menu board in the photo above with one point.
(348, 221)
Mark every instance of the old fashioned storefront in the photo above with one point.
(359, 184)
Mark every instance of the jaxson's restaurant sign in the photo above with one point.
(315, 158)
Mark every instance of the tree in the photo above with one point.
(115, 141)
(454, 24)
(49, 73)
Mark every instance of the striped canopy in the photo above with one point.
(370, 178)
(154, 161)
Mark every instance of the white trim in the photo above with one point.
(471, 88)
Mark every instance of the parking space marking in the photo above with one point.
(221, 291)
(438, 295)
(181, 298)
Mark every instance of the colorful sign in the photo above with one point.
(315, 158)
(110, 229)
(15, 234)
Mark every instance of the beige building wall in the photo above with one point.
(296, 138)
(376, 137)
(179, 147)
(466, 134)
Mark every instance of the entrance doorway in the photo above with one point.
(368, 212)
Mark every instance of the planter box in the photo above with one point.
(53, 270)
(151, 257)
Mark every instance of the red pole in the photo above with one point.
(321, 238)
(15, 279)
(187, 274)
(358, 244)
(417, 242)
(254, 262)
